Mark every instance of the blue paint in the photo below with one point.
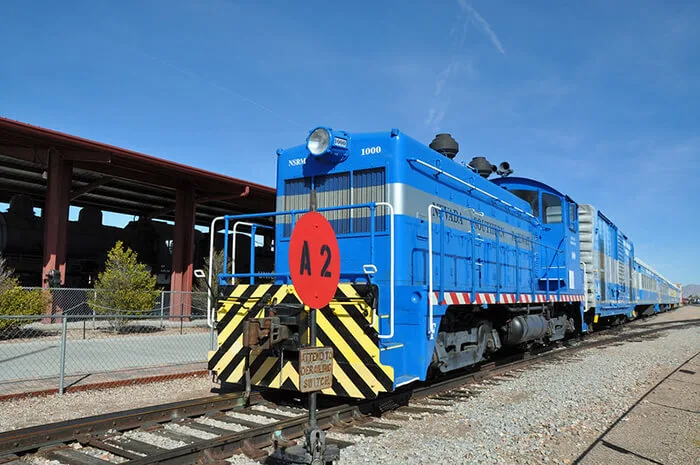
(486, 239)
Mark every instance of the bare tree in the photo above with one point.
(6, 279)
(200, 284)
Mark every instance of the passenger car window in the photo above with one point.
(551, 207)
(531, 198)
(573, 216)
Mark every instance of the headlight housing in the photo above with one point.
(318, 141)
(328, 144)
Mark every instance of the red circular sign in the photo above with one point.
(314, 260)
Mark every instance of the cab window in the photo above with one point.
(531, 198)
(551, 209)
(573, 216)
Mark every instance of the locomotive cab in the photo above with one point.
(558, 215)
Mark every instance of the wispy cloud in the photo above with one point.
(436, 114)
(215, 85)
(458, 34)
(444, 75)
(441, 96)
(477, 20)
(120, 31)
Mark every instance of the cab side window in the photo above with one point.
(551, 209)
(573, 216)
(531, 198)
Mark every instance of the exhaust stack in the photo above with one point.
(482, 166)
(445, 144)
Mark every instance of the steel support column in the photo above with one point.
(183, 253)
(55, 215)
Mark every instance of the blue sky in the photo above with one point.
(599, 99)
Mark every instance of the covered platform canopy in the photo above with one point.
(57, 170)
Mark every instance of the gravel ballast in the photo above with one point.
(546, 415)
(158, 441)
(248, 417)
(33, 411)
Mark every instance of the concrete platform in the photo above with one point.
(663, 427)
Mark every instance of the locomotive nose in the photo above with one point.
(327, 144)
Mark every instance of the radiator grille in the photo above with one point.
(333, 190)
(369, 186)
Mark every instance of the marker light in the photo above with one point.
(328, 144)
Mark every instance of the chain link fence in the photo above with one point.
(73, 346)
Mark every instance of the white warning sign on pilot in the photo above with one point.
(315, 368)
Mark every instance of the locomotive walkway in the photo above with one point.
(663, 427)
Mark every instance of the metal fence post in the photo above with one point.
(62, 361)
(162, 302)
(212, 337)
(94, 320)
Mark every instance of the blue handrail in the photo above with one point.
(546, 278)
(517, 271)
(473, 293)
(252, 251)
(351, 275)
(442, 254)
(226, 227)
(498, 268)
(369, 205)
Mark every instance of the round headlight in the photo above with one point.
(319, 141)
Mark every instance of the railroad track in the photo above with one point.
(214, 428)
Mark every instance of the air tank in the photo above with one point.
(525, 328)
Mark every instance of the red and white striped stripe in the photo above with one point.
(464, 298)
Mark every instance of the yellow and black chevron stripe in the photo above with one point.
(347, 324)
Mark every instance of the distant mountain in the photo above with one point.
(691, 289)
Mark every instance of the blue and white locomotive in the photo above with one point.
(440, 266)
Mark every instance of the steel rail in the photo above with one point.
(90, 429)
(254, 439)
(216, 449)
(27, 439)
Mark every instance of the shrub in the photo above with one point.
(126, 287)
(17, 301)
